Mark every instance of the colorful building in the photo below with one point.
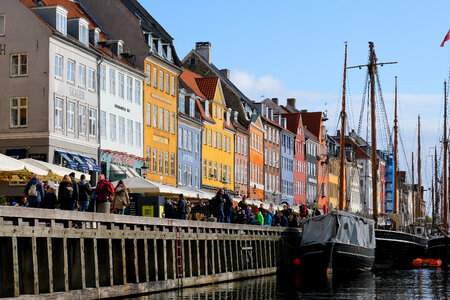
(240, 158)
(256, 158)
(333, 172)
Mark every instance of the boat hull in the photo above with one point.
(336, 257)
(438, 247)
(398, 249)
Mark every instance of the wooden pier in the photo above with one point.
(43, 255)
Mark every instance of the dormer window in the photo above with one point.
(83, 33)
(228, 117)
(169, 53)
(94, 36)
(192, 108)
(181, 102)
(160, 49)
(149, 41)
(61, 20)
(207, 107)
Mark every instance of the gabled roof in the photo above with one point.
(310, 135)
(208, 86)
(293, 121)
(312, 121)
(189, 80)
(202, 112)
(360, 153)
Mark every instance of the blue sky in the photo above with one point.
(296, 49)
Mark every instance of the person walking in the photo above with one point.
(242, 204)
(76, 192)
(228, 208)
(65, 194)
(219, 203)
(121, 198)
(84, 193)
(104, 190)
(182, 207)
(49, 198)
(34, 191)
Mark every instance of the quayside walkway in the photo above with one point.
(43, 255)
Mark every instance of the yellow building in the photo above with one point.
(333, 182)
(160, 119)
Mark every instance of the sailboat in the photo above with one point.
(339, 241)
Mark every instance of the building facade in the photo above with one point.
(240, 158)
(333, 153)
(256, 158)
(311, 148)
(287, 163)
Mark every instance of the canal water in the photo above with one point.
(404, 284)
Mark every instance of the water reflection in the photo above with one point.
(409, 284)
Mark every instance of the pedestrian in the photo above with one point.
(49, 198)
(84, 193)
(325, 209)
(259, 217)
(104, 190)
(121, 198)
(168, 209)
(65, 193)
(267, 218)
(34, 191)
(228, 208)
(303, 211)
(218, 205)
(261, 208)
(76, 193)
(182, 207)
(243, 204)
(283, 219)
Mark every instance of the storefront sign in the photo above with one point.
(121, 108)
(160, 139)
(147, 211)
(76, 93)
(121, 160)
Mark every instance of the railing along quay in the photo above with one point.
(43, 255)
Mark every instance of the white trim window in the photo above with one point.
(129, 89)
(149, 74)
(137, 92)
(161, 80)
(220, 141)
(59, 106)
(197, 143)
(172, 123)
(91, 79)
(82, 75)
(190, 141)
(166, 163)
(130, 132)
(83, 34)
(209, 137)
(180, 138)
(103, 78)
(112, 127)
(82, 126)
(121, 86)
(58, 66)
(2, 25)
(192, 108)
(70, 116)
(181, 103)
(229, 145)
(121, 130)
(61, 22)
(19, 112)
(19, 64)
(155, 162)
(71, 71)
(92, 121)
(172, 87)
(161, 118)
(215, 139)
(167, 83)
(161, 162)
(155, 116)
(185, 139)
(172, 164)
(155, 77)
(137, 126)
(167, 120)
(112, 81)
(103, 124)
(149, 114)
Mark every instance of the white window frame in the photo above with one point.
(103, 78)
(82, 75)
(112, 81)
(167, 83)
(82, 125)
(59, 109)
(19, 107)
(112, 127)
(91, 79)
(137, 92)
(20, 64)
(130, 130)
(167, 121)
(59, 61)
(137, 133)
(70, 116)
(121, 79)
(102, 124)
(155, 116)
(149, 114)
(61, 22)
(2, 25)
(92, 122)
(71, 71)
(121, 130)
(161, 80)
(172, 123)
(129, 89)
(172, 87)
(161, 118)
(155, 77)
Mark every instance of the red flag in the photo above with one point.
(447, 37)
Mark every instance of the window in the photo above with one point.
(220, 112)
(149, 74)
(155, 116)
(172, 164)
(161, 80)
(58, 66)
(112, 127)
(70, 116)
(71, 71)
(172, 123)
(185, 139)
(138, 134)
(196, 178)
(166, 163)
(83, 34)
(91, 79)
(102, 124)
(204, 136)
(137, 92)
(167, 83)
(61, 22)
(172, 91)
(130, 89)
(2, 25)
(229, 145)
(82, 126)
(192, 108)
(220, 141)
(18, 112)
(155, 78)
(209, 137)
(82, 75)
(149, 114)
(215, 111)
(190, 141)
(130, 132)
(167, 120)
(224, 143)
(19, 64)
(121, 85)
(148, 154)
(112, 81)
(58, 113)
(160, 161)
(155, 162)
(197, 143)
(122, 130)
(180, 173)
(204, 168)
(103, 78)
(161, 118)
(215, 170)
(181, 103)
(210, 169)
(92, 121)
(215, 139)
(220, 173)
(229, 174)
(180, 138)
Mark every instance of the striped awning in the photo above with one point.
(82, 163)
(67, 158)
(92, 165)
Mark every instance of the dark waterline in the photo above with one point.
(403, 284)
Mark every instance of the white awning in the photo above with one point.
(55, 170)
(133, 171)
(10, 166)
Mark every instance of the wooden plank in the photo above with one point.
(136, 264)
(35, 266)
(190, 257)
(15, 266)
(147, 275)
(83, 265)
(50, 264)
(124, 262)
(97, 284)
(165, 259)
(66, 266)
(111, 265)
(155, 256)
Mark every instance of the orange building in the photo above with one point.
(256, 156)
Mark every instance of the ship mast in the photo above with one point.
(445, 157)
(413, 190)
(436, 194)
(395, 155)
(371, 68)
(342, 140)
(419, 179)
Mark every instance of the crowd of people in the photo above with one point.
(77, 195)
(105, 198)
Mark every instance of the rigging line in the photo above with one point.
(349, 105)
(383, 108)
(361, 115)
(405, 157)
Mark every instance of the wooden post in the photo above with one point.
(83, 264)
(111, 263)
(50, 265)
(97, 280)
(147, 275)
(35, 266)
(15, 252)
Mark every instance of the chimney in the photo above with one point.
(204, 49)
(291, 102)
(235, 116)
(275, 100)
(225, 72)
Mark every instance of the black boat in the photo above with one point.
(398, 249)
(337, 242)
(439, 248)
